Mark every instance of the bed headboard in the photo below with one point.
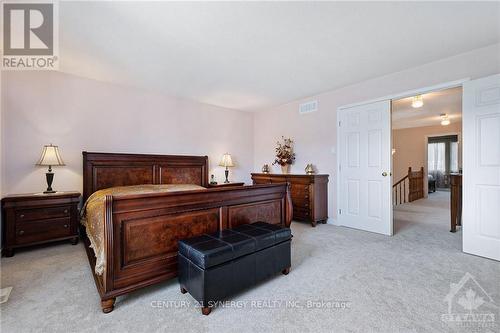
(103, 170)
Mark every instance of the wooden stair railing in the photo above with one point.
(414, 182)
(399, 191)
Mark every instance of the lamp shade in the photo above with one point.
(50, 156)
(226, 161)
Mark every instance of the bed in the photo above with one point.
(140, 230)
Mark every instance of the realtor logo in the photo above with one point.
(469, 305)
(30, 39)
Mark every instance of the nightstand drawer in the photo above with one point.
(39, 231)
(42, 213)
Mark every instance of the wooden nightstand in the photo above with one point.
(37, 218)
(226, 184)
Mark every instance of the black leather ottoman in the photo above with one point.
(213, 267)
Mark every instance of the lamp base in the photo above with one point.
(48, 192)
(226, 172)
(50, 177)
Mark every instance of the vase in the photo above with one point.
(285, 168)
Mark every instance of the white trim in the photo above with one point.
(419, 91)
(337, 158)
(331, 221)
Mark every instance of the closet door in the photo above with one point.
(364, 153)
(481, 167)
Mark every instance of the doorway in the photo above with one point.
(426, 132)
(363, 207)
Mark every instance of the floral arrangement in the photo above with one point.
(284, 152)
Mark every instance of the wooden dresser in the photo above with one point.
(30, 219)
(456, 201)
(309, 194)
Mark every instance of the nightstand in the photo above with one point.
(226, 184)
(30, 219)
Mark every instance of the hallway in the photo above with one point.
(431, 213)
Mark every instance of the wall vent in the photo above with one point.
(308, 107)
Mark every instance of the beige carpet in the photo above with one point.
(388, 284)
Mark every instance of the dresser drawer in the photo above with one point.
(302, 203)
(299, 189)
(301, 214)
(38, 231)
(24, 215)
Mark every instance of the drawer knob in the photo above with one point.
(21, 216)
(65, 225)
(65, 211)
(21, 232)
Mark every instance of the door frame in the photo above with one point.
(404, 94)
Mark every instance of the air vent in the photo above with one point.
(308, 107)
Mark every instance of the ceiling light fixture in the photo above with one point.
(417, 101)
(444, 120)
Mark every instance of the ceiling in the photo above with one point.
(447, 101)
(254, 55)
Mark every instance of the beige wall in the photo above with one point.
(411, 148)
(315, 134)
(41, 107)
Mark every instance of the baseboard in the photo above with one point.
(332, 221)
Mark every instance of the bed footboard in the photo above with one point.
(141, 231)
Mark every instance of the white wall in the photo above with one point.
(78, 114)
(315, 133)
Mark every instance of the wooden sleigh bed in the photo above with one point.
(141, 231)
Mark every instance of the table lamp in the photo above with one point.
(226, 161)
(50, 157)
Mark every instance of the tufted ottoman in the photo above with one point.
(213, 267)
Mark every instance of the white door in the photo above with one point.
(364, 156)
(481, 167)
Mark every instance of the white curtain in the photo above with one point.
(436, 157)
(454, 157)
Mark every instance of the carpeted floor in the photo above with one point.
(360, 282)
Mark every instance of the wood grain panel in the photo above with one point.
(104, 170)
(181, 175)
(147, 238)
(110, 176)
(269, 212)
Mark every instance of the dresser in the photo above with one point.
(309, 194)
(30, 219)
(456, 201)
